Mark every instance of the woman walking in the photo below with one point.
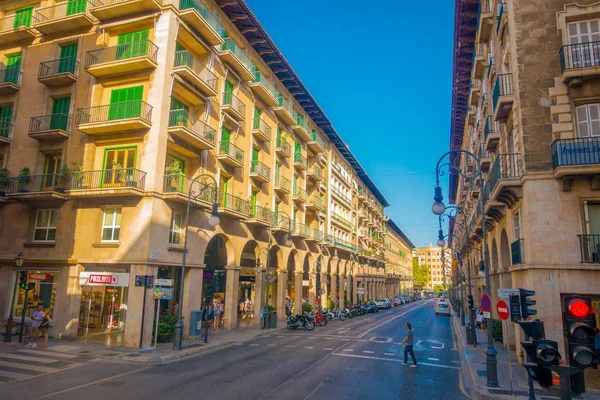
(45, 326)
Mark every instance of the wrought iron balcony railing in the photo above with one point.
(108, 179)
(62, 65)
(114, 112)
(260, 78)
(590, 248)
(50, 122)
(261, 125)
(63, 10)
(6, 129)
(299, 158)
(580, 55)
(204, 12)
(233, 203)
(179, 183)
(341, 219)
(282, 144)
(282, 182)
(121, 52)
(187, 120)
(506, 166)
(503, 87)
(229, 99)
(300, 193)
(231, 45)
(184, 58)
(228, 148)
(11, 75)
(261, 214)
(260, 168)
(578, 151)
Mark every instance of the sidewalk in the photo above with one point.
(512, 377)
(162, 353)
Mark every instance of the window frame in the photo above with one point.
(48, 227)
(114, 226)
(172, 231)
(588, 120)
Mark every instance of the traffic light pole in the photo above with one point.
(9, 322)
(23, 314)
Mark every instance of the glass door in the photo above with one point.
(51, 170)
(118, 166)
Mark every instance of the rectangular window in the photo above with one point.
(588, 120)
(6, 120)
(175, 230)
(45, 226)
(517, 226)
(111, 224)
(23, 17)
(133, 44)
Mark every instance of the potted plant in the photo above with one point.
(181, 118)
(24, 178)
(330, 304)
(173, 171)
(76, 174)
(118, 172)
(497, 330)
(166, 328)
(62, 179)
(4, 181)
(130, 177)
(307, 307)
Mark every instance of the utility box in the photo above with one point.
(273, 319)
(196, 323)
(470, 334)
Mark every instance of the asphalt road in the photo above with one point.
(354, 359)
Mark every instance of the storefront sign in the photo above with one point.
(163, 282)
(305, 283)
(162, 293)
(360, 290)
(37, 276)
(104, 279)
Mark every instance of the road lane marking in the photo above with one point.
(348, 350)
(388, 354)
(27, 366)
(15, 375)
(392, 360)
(309, 348)
(327, 348)
(271, 345)
(27, 358)
(368, 352)
(455, 361)
(48, 353)
(290, 345)
(388, 321)
(433, 359)
(313, 392)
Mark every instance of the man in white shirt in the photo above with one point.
(36, 319)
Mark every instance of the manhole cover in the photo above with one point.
(112, 383)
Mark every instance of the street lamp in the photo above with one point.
(19, 259)
(213, 221)
(454, 164)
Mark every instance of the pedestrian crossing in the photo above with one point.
(26, 363)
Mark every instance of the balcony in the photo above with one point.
(315, 203)
(66, 16)
(233, 106)
(299, 161)
(231, 155)
(491, 135)
(301, 231)
(504, 182)
(485, 21)
(233, 206)
(106, 10)
(300, 128)
(579, 61)
(196, 74)
(479, 60)
(282, 184)
(196, 15)
(233, 55)
(259, 171)
(589, 246)
(16, 28)
(517, 252)
(61, 72)
(186, 130)
(122, 59)
(578, 156)
(362, 196)
(503, 97)
(263, 89)
(485, 159)
(10, 81)
(284, 110)
(315, 143)
(337, 242)
(340, 196)
(176, 187)
(37, 187)
(48, 127)
(299, 195)
(501, 18)
(261, 130)
(282, 147)
(260, 216)
(474, 92)
(6, 132)
(315, 173)
(316, 235)
(107, 182)
(127, 116)
(335, 217)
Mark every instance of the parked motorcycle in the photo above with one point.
(319, 319)
(348, 313)
(300, 320)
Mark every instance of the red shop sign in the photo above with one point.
(36, 276)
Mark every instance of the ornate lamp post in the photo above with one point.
(19, 260)
(213, 220)
(454, 164)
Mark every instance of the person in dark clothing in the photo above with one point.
(409, 342)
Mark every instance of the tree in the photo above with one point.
(438, 288)
(420, 275)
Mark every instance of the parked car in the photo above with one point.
(406, 299)
(389, 301)
(382, 303)
(372, 307)
(397, 301)
(442, 308)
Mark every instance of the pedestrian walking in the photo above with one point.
(409, 342)
(44, 326)
(176, 307)
(217, 319)
(37, 318)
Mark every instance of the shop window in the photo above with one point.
(43, 293)
(111, 224)
(45, 226)
(175, 229)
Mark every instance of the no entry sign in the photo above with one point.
(502, 309)
(486, 302)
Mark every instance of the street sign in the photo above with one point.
(502, 309)
(163, 282)
(360, 290)
(87, 278)
(487, 314)
(486, 302)
(162, 293)
(144, 280)
(506, 293)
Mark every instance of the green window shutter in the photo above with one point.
(298, 147)
(277, 166)
(227, 96)
(276, 219)
(133, 44)
(68, 56)
(76, 6)
(224, 45)
(254, 201)
(23, 17)
(256, 118)
(60, 113)
(225, 138)
(179, 47)
(179, 114)
(300, 119)
(5, 120)
(255, 152)
(13, 67)
(125, 103)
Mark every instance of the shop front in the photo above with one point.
(43, 290)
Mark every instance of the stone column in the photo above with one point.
(259, 296)
(341, 295)
(333, 294)
(355, 289)
(68, 301)
(281, 292)
(312, 288)
(135, 301)
(325, 294)
(231, 297)
(349, 279)
(192, 296)
(298, 299)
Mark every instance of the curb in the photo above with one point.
(475, 392)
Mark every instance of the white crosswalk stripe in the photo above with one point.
(30, 363)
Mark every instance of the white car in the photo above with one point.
(382, 303)
(442, 308)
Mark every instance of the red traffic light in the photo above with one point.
(579, 308)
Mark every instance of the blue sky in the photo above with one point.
(382, 72)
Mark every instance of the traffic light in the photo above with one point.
(542, 353)
(23, 280)
(515, 308)
(526, 302)
(580, 324)
(470, 301)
